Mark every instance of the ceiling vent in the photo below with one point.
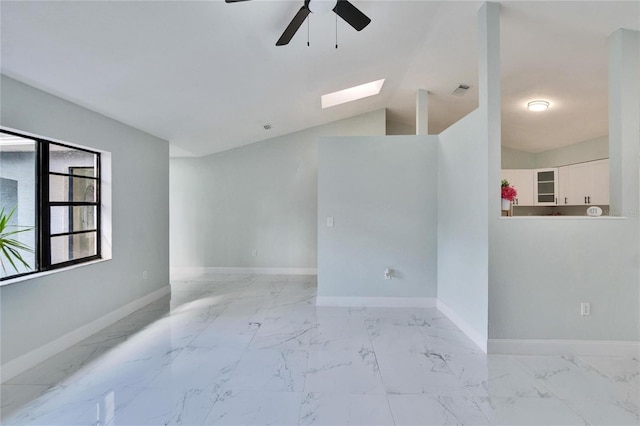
(460, 90)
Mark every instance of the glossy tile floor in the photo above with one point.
(245, 350)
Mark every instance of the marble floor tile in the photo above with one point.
(336, 311)
(436, 409)
(268, 290)
(135, 362)
(197, 367)
(270, 370)
(297, 293)
(300, 311)
(254, 349)
(229, 333)
(497, 376)
(402, 316)
(385, 335)
(332, 409)
(619, 369)
(184, 389)
(283, 333)
(529, 411)
(290, 305)
(343, 372)
(450, 343)
(417, 372)
(167, 406)
(340, 332)
(239, 306)
(16, 396)
(255, 408)
(75, 404)
(569, 378)
(181, 297)
(605, 412)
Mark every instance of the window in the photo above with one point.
(51, 191)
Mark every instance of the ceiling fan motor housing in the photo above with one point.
(320, 6)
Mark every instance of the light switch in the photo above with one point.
(329, 222)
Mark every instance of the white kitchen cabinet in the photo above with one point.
(575, 184)
(584, 183)
(522, 181)
(564, 186)
(545, 187)
(599, 191)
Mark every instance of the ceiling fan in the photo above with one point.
(343, 8)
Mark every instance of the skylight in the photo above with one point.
(352, 94)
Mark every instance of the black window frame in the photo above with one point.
(43, 206)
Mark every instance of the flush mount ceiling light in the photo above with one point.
(538, 105)
(351, 94)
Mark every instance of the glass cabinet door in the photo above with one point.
(546, 187)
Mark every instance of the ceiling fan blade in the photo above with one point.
(295, 23)
(234, 1)
(351, 14)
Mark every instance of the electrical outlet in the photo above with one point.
(585, 308)
(144, 275)
(330, 222)
(254, 253)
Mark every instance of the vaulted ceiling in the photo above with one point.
(207, 76)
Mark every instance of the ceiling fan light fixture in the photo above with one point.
(351, 94)
(538, 105)
(321, 6)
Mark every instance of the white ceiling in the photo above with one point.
(207, 75)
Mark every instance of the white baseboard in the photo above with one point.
(463, 325)
(199, 270)
(563, 347)
(377, 302)
(29, 360)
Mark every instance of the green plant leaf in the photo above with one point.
(16, 244)
(18, 256)
(9, 247)
(6, 234)
(8, 256)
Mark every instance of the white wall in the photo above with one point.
(468, 190)
(516, 159)
(543, 268)
(39, 310)
(589, 150)
(260, 197)
(381, 192)
(462, 223)
(397, 128)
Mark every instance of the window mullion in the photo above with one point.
(44, 208)
(99, 207)
(74, 176)
(73, 203)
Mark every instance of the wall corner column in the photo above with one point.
(490, 96)
(624, 122)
